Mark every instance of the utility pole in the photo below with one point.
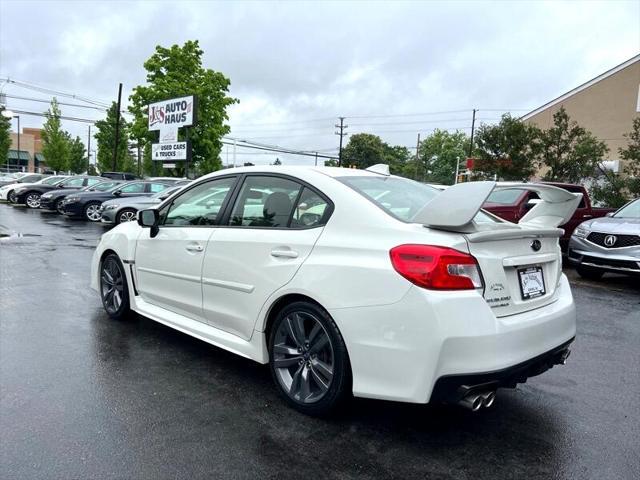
(341, 133)
(473, 126)
(115, 147)
(139, 160)
(316, 159)
(417, 155)
(89, 149)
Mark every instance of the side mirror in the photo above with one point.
(117, 193)
(149, 218)
(610, 214)
(60, 186)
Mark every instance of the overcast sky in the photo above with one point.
(389, 67)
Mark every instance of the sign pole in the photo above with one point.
(115, 147)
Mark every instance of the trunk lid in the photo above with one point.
(520, 267)
(521, 264)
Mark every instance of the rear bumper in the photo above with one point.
(583, 253)
(452, 388)
(401, 351)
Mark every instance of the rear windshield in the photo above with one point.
(504, 197)
(400, 197)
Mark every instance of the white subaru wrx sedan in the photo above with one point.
(351, 282)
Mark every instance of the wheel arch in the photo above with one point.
(281, 302)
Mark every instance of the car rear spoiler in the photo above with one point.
(456, 206)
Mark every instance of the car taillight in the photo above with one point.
(436, 268)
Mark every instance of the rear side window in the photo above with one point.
(157, 187)
(310, 210)
(93, 181)
(265, 201)
(133, 188)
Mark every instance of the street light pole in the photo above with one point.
(18, 117)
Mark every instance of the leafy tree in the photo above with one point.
(569, 151)
(5, 137)
(277, 162)
(507, 150)
(77, 159)
(615, 190)
(55, 141)
(175, 72)
(365, 149)
(106, 139)
(91, 169)
(437, 157)
(331, 163)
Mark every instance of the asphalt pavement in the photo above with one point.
(85, 397)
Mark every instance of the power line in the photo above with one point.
(44, 100)
(36, 114)
(50, 91)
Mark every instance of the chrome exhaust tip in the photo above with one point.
(564, 356)
(473, 402)
(488, 399)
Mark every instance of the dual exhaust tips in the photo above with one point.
(475, 401)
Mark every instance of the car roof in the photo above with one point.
(294, 170)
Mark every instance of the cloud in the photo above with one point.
(297, 66)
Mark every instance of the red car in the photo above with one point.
(512, 205)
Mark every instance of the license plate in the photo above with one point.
(531, 282)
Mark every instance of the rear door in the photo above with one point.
(270, 231)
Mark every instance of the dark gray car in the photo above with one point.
(608, 244)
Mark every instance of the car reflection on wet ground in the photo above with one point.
(85, 397)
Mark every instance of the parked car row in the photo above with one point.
(82, 196)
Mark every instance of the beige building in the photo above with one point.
(605, 105)
(31, 158)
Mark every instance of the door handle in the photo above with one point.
(587, 216)
(194, 248)
(284, 253)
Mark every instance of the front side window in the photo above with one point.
(103, 186)
(200, 205)
(265, 201)
(93, 181)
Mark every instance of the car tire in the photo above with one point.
(11, 196)
(589, 273)
(114, 289)
(308, 359)
(91, 212)
(59, 206)
(126, 215)
(32, 200)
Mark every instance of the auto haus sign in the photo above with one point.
(173, 113)
(167, 117)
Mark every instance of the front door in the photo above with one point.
(169, 265)
(271, 230)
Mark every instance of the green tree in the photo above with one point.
(615, 190)
(5, 137)
(277, 162)
(569, 151)
(437, 157)
(507, 150)
(77, 159)
(175, 72)
(365, 150)
(55, 141)
(106, 139)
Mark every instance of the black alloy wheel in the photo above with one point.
(114, 291)
(308, 359)
(59, 208)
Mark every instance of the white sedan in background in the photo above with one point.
(351, 282)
